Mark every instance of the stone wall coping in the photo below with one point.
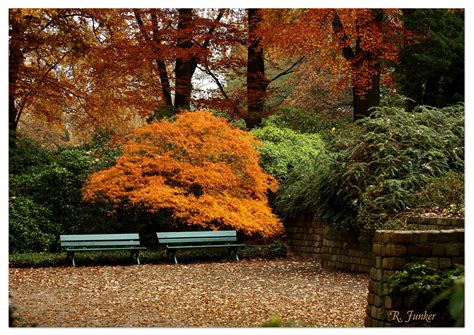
(408, 232)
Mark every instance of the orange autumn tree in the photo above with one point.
(203, 170)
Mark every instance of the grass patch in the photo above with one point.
(276, 249)
(276, 321)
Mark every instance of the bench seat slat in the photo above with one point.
(222, 233)
(197, 240)
(203, 246)
(104, 249)
(99, 237)
(99, 243)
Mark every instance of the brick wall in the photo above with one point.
(348, 252)
(431, 223)
(392, 251)
(305, 236)
(309, 237)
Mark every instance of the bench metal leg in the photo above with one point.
(134, 257)
(236, 254)
(233, 254)
(70, 256)
(171, 253)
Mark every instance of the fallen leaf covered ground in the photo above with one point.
(214, 294)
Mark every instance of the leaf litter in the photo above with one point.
(217, 294)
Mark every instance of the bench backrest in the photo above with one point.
(225, 236)
(99, 240)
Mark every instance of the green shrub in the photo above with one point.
(296, 194)
(375, 165)
(30, 228)
(276, 249)
(424, 287)
(284, 149)
(45, 189)
(443, 194)
(302, 121)
(26, 156)
(234, 121)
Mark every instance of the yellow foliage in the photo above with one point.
(199, 167)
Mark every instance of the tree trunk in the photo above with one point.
(256, 81)
(15, 60)
(160, 64)
(185, 63)
(165, 84)
(371, 97)
(362, 104)
(154, 43)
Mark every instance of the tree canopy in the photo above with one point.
(77, 70)
(204, 171)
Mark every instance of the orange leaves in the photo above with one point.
(206, 172)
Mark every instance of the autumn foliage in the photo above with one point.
(200, 168)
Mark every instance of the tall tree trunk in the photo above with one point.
(15, 60)
(362, 104)
(371, 97)
(154, 42)
(185, 63)
(257, 83)
(160, 64)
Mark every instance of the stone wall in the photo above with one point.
(433, 223)
(305, 236)
(392, 250)
(308, 237)
(348, 252)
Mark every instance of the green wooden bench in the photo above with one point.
(198, 240)
(101, 242)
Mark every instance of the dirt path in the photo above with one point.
(244, 294)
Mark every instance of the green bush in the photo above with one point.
(26, 156)
(424, 287)
(443, 195)
(234, 121)
(373, 166)
(45, 189)
(284, 149)
(276, 249)
(30, 228)
(302, 121)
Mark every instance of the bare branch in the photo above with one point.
(212, 28)
(32, 91)
(221, 87)
(287, 71)
(140, 26)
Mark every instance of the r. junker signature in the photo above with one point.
(411, 316)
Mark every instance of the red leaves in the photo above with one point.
(365, 37)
